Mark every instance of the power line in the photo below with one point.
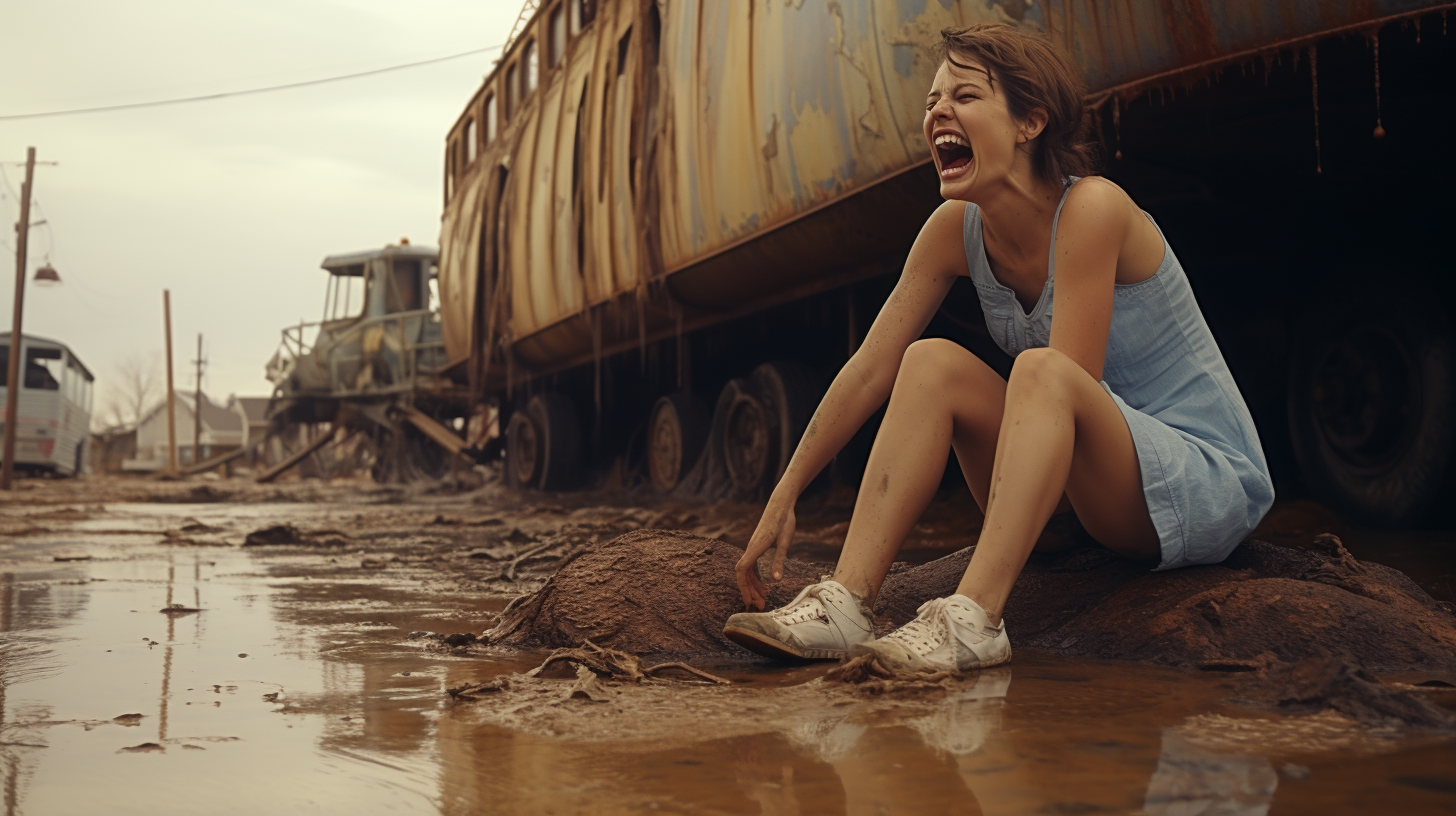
(250, 91)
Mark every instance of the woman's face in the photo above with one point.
(971, 134)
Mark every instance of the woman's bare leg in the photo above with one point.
(944, 397)
(1062, 432)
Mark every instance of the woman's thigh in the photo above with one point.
(1105, 484)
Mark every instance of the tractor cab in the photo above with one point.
(379, 338)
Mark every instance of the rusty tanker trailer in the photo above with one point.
(668, 223)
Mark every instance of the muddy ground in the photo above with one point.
(218, 646)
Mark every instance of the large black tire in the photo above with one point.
(1372, 396)
(559, 431)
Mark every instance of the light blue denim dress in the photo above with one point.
(1204, 475)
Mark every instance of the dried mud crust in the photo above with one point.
(659, 591)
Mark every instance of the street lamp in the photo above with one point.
(47, 276)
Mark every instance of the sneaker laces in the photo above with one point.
(928, 630)
(932, 626)
(808, 606)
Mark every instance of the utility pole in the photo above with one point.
(197, 405)
(171, 396)
(12, 368)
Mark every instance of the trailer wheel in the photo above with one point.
(1372, 390)
(676, 431)
(559, 432)
(523, 451)
(747, 440)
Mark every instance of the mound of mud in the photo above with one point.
(656, 591)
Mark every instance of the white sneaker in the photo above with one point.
(822, 623)
(948, 634)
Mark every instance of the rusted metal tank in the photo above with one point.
(633, 171)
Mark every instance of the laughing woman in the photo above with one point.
(1119, 401)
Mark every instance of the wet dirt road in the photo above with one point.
(297, 687)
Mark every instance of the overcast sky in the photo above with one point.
(229, 203)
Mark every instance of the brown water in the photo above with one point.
(296, 690)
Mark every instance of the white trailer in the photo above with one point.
(54, 412)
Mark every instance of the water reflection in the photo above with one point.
(1190, 780)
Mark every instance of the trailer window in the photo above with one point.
(582, 12)
(533, 70)
(4, 365)
(43, 368)
(556, 41)
(510, 91)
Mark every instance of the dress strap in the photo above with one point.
(1067, 183)
(972, 241)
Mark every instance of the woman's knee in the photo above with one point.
(944, 362)
(1043, 368)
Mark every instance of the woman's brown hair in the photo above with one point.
(1034, 75)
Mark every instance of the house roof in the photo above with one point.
(256, 408)
(214, 417)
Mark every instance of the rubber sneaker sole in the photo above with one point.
(760, 643)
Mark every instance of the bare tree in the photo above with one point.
(134, 386)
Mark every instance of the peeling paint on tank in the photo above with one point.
(904, 59)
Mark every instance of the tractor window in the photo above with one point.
(4, 365)
(490, 122)
(43, 369)
(471, 145)
(346, 294)
(404, 286)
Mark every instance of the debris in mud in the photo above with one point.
(276, 536)
(177, 609)
(593, 664)
(655, 591)
(192, 525)
(200, 494)
(72, 557)
(286, 535)
(127, 719)
(144, 748)
(1332, 683)
(455, 643)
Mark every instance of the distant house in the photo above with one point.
(254, 411)
(223, 429)
(111, 447)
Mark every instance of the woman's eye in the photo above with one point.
(966, 97)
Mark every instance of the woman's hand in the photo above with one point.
(775, 527)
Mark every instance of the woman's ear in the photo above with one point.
(1031, 127)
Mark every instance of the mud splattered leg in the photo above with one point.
(944, 396)
(1061, 432)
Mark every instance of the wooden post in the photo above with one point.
(12, 367)
(171, 394)
(197, 407)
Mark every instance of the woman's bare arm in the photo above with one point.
(1091, 234)
(863, 385)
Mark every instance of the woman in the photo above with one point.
(1119, 402)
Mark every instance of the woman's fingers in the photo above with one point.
(753, 592)
(786, 537)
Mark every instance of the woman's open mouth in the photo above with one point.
(955, 154)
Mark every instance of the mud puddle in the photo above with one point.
(297, 688)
